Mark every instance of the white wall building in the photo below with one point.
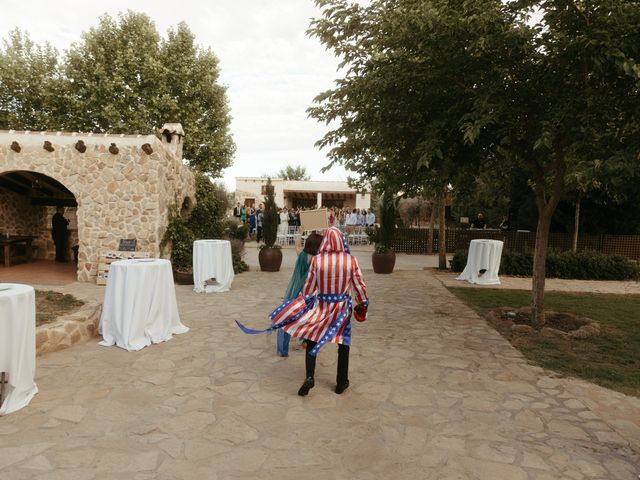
(306, 194)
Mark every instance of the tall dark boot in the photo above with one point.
(342, 377)
(310, 366)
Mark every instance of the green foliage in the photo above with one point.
(270, 217)
(293, 173)
(206, 218)
(180, 238)
(121, 77)
(383, 235)
(235, 229)
(205, 221)
(239, 265)
(434, 91)
(30, 84)
(582, 265)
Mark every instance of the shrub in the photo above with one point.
(270, 217)
(235, 229)
(383, 235)
(181, 239)
(583, 265)
(237, 255)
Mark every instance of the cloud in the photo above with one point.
(272, 69)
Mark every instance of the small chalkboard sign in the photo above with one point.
(127, 245)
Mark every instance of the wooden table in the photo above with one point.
(7, 243)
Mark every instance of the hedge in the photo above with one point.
(583, 265)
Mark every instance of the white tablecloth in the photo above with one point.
(212, 259)
(140, 305)
(483, 255)
(17, 345)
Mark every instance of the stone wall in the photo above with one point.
(17, 216)
(122, 195)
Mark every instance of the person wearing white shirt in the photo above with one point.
(370, 218)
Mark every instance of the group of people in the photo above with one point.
(479, 223)
(343, 218)
(318, 304)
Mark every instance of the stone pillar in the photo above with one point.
(319, 201)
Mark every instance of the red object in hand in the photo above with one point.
(360, 313)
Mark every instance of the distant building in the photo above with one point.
(305, 194)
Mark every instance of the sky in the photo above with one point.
(271, 68)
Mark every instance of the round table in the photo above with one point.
(140, 306)
(212, 266)
(17, 345)
(483, 262)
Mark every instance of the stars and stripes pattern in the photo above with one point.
(322, 311)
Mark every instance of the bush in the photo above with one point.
(235, 229)
(237, 255)
(269, 217)
(584, 265)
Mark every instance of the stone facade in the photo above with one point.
(126, 194)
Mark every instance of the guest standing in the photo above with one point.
(59, 225)
(321, 313)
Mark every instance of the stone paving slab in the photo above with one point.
(435, 394)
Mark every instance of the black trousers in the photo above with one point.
(342, 374)
(61, 248)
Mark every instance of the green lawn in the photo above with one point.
(611, 359)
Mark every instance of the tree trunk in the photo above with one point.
(442, 233)
(576, 225)
(546, 209)
(432, 224)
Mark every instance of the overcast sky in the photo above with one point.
(271, 68)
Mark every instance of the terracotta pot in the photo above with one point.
(182, 278)
(383, 262)
(270, 259)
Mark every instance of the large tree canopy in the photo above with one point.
(439, 89)
(121, 77)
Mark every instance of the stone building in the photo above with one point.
(295, 193)
(114, 186)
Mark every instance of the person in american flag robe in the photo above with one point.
(321, 314)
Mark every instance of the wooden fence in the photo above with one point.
(415, 240)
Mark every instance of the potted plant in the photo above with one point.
(384, 258)
(180, 239)
(270, 256)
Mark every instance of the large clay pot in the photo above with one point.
(182, 278)
(383, 262)
(270, 259)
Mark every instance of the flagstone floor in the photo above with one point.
(435, 394)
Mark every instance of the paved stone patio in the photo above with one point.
(435, 394)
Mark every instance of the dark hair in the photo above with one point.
(312, 243)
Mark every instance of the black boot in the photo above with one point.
(341, 387)
(306, 386)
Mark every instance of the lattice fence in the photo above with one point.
(415, 240)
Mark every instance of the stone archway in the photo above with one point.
(124, 185)
(28, 200)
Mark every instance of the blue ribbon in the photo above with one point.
(309, 300)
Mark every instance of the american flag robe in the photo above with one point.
(322, 311)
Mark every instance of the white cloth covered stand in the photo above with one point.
(483, 255)
(17, 345)
(140, 306)
(212, 260)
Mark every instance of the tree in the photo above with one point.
(122, 77)
(293, 173)
(411, 75)
(29, 84)
(270, 216)
(435, 88)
